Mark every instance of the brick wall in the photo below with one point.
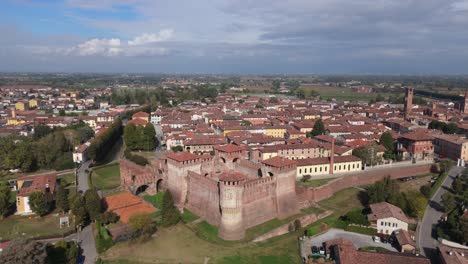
(311, 194)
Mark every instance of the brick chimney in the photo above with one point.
(332, 156)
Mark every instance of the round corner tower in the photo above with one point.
(231, 185)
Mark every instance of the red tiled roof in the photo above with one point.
(140, 114)
(229, 148)
(126, 205)
(182, 156)
(35, 183)
(278, 162)
(385, 210)
(232, 176)
(139, 122)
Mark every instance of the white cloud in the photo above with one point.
(96, 46)
(460, 6)
(146, 38)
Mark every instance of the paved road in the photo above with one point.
(358, 240)
(425, 238)
(86, 237)
(82, 176)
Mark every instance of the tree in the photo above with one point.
(93, 204)
(297, 224)
(368, 154)
(85, 133)
(458, 186)
(38, 203)
(61, 199)
(62, 112)
(24, 252)
(149, 137)
(63, 252)
(78, 209)
(448, 202)
(386, 140)
(177, 148)
(131, 136)
(416, 204)
(318, 129)
(426, 191)
(142, 225)
(450, 128)
(170, 214)
(5, 200)
(273, 100)
(108, 217)
(41, 131)
(446, 165)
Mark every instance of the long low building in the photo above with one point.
(322, 166)
(451, 146)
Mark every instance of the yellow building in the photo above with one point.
(32, 103)
(451, 146)
(321, 166)
(275, 131)
(20, 106)
(35, 183)
(14, 121)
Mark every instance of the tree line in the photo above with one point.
(104, 143)
(140, 137)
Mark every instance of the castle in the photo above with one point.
(227, 190)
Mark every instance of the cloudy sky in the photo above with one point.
(235, 36)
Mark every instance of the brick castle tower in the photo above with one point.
(231, 195)
(408, 101)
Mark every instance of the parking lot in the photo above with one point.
(357, 239)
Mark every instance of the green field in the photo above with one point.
(180, 244)
(106, 177)
(156, 200)
(315, 183)
(31, 226)
(67, 180)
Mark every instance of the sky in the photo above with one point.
(235, 36)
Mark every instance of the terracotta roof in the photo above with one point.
(140, 114)
(348, 254)
(35, 183)
(417, 136)
(229, 148)
(385, 210)
(182, 156)
(232, 176)
(126, 204)
(451, 255)
(403, 237)
(139, 122)
(278, 162)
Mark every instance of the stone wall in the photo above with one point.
(311, 194)
(133, 176)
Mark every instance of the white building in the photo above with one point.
(387, 218)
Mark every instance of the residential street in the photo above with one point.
(86, 237)
(425, 237)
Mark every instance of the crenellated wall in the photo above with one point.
(259, 203)
(133, 176)
(203, 197)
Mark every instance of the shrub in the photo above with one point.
(103, 239)
(356, 217)
(426, 191)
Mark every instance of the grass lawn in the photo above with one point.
(315, 183)
(156, 200)
(31, 226)
(67, 179)
(342, 202)
(180, 244)
(106, 177)
(188, 216)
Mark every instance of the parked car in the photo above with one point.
(315, 250)
(322, 250)
(376, 239)
(384, 240)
